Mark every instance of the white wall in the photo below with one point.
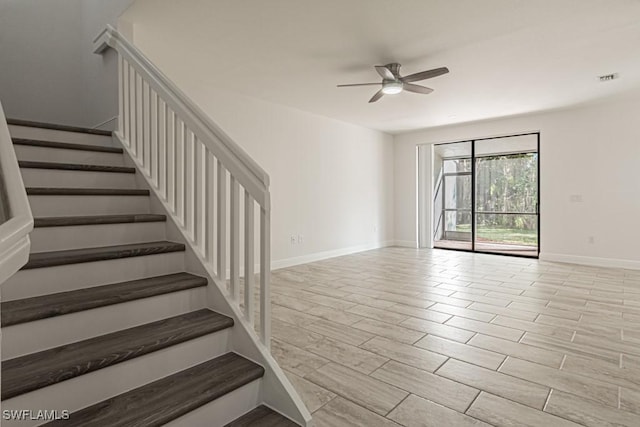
(331, 182)
(593, 151)
(100, 72)
(40, 55)
(49, 72)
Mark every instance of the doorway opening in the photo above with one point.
(486, 195)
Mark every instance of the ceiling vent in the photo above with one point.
(607, 77)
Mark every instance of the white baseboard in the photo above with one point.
(405, 244)
(591, 261)
(318, 256)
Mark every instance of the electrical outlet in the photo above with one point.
(591, 240)
(300, 238)
(293, 239)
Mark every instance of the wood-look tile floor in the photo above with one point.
(407, 337)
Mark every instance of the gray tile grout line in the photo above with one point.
(472, 402)
(399, 403)
(562, 363)
(546, 402)
(502, 363)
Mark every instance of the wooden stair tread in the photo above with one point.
(161, 401)
(76, 256)
(63, 221)
(262, 417)
(55, 191)
(66, 145)
(42, 307)
(34, 371)
(53, 126)
(28, 164)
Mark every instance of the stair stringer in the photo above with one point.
(276, 391)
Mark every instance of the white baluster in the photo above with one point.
(162, 150)
(210, 190)
(222, 222)
(146, 125)
(133, 104)
(153, 138)
(120, 96)
(199, 216)
(189, 184)
(139, 119)
(179, 170)
(171, 161)
(249, 305)
(234, 245)
(126, 120)
(265, 277)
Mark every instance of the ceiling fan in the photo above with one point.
(392, 82)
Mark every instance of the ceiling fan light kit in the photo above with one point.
(391, 87)
(393, 83)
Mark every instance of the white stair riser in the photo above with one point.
(60, 136)
(49, 280)
(62, 155)
(224, 409)
(86, 236)
(76, 179)
(31, 337)
(85, 390)
(87, 205)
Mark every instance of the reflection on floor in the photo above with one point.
(399, 336)
(498, 248)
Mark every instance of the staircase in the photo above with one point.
(106, 325)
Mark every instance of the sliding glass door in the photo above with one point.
(453, 196)
(486, 195)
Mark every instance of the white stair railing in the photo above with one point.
(210, 185)
(16, 220)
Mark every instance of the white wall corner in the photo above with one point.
(405, 244)
(319, 256)
(591, 261)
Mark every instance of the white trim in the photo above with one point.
(14, 232)
(591, 261)
(319, 256)
(14, 258)
(405, 244)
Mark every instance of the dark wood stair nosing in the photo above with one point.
(76, 167)
(67, 221)
(38, 370)
(164, 400)
(54, 126)
(69, 191)
(66, 145)
(20, 311)
(103, 253)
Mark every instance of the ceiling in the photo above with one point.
(505, 57)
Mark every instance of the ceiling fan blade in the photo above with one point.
(410, 87)
(385, 73)
(360, 84)
(377, 96)
(425, 75)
